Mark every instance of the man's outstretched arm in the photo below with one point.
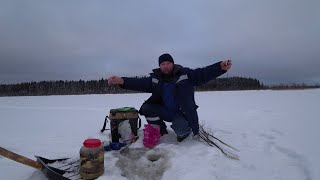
(136, 84)
(201, 76)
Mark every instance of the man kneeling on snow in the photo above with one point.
(172, 99)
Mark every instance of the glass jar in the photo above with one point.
(91, 159)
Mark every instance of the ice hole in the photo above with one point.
(142, 163)
(153, 157)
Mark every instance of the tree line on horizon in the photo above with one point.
(60, 87)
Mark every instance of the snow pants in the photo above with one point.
(157, 114)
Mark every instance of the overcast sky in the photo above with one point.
(276, 41)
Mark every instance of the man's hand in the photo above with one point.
(115, 80)
(226, 64)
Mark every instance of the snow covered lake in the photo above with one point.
(275, 131)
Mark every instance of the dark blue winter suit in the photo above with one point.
(172, 98)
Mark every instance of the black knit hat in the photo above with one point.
(165, 57)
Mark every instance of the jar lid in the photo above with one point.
(92, 143)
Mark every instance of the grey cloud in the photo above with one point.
(275, 41)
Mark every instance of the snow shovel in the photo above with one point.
(42, 164)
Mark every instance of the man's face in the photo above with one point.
(166, 67)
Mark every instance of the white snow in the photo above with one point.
(275, 131)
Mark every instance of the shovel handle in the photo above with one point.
(20, 159)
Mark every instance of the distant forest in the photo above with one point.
(43, 88)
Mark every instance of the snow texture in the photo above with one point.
(275, 131)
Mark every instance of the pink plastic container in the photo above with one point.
(151, 135)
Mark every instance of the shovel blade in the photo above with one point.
(50, 172)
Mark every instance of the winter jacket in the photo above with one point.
(168, 99)
(185, 79)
